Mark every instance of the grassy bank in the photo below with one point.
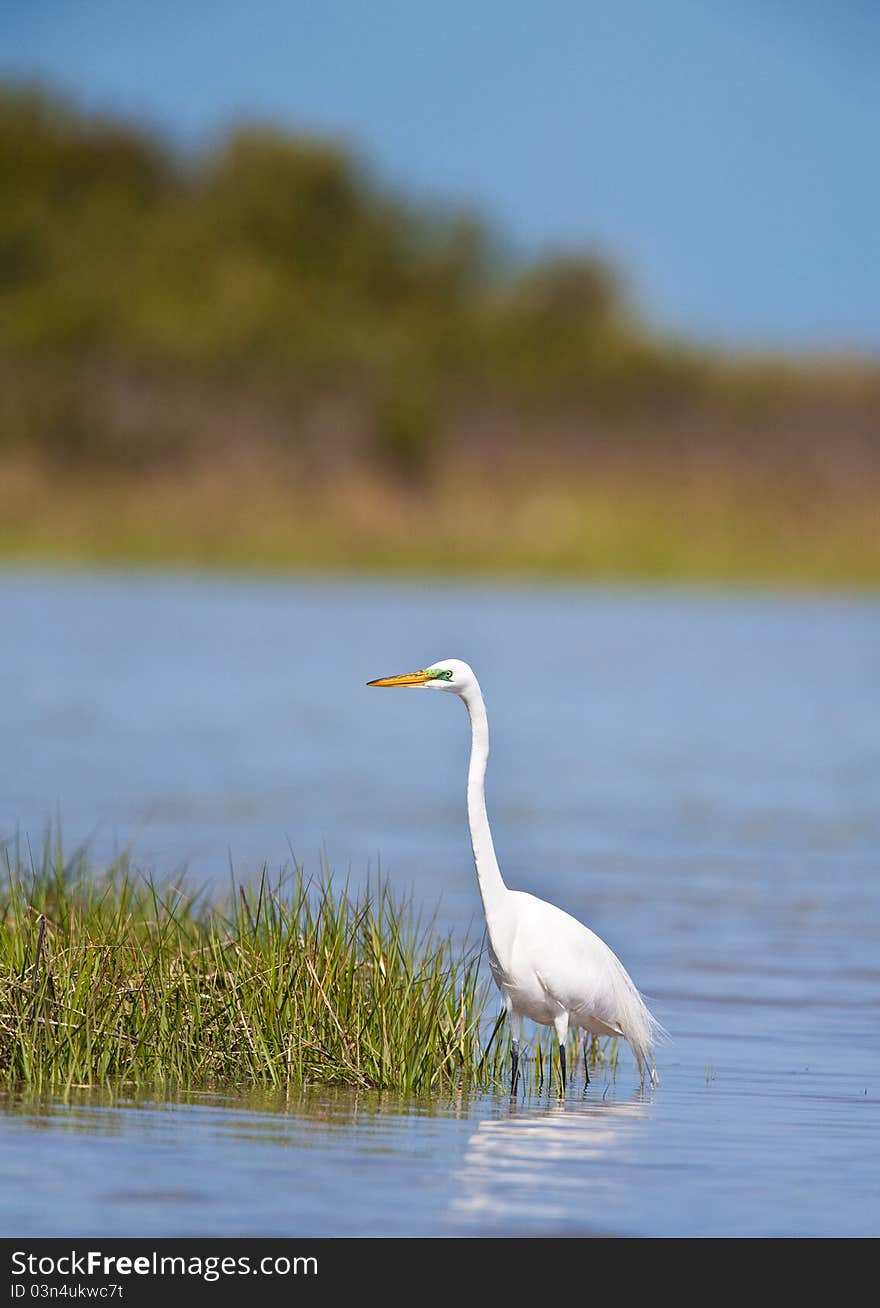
(580, 527)
(108, 980)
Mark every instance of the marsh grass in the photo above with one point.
(117, 978)
(113, 979)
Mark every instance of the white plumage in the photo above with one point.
(553, 969)
(548, 966)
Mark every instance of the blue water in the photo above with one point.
(695, 776)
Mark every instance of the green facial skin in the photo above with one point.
(443, 674)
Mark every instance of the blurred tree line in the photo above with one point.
(269, 294)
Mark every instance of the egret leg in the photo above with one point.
(588, 1040)
(515, 1033)
(561, 1025)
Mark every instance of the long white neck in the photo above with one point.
(492, 888)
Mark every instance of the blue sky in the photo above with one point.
(724, 156)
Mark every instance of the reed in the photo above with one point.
(114, 978)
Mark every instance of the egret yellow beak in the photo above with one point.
(403, 679)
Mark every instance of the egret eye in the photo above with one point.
(448, 674)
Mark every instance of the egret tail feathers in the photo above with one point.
(638, 1025)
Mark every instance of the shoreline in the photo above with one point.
(515, 531)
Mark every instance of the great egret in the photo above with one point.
(548, 966)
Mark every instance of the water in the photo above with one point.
(696, 776)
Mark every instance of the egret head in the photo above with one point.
(448, 674)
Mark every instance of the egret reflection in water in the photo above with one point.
(507, 1160)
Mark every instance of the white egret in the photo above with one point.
(548, 965)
